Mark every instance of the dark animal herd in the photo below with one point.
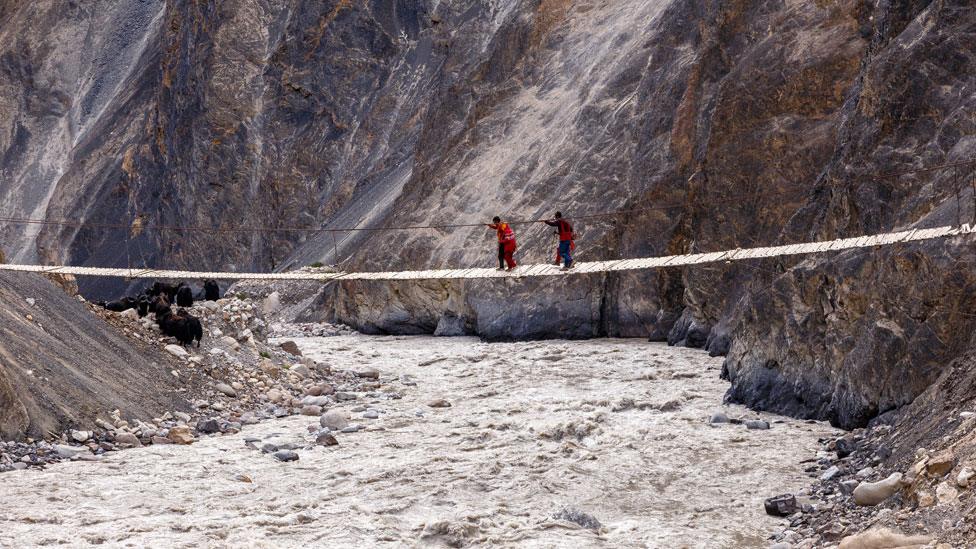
(159, 299)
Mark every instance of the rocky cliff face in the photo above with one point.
(724, 123)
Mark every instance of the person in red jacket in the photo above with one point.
(566, 244)
(506, 243)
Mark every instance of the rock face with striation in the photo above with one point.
(719, 124)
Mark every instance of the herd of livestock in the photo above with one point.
(160, 298)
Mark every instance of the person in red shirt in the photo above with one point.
(506, 243)
(566, 237)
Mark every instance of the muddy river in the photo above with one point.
(601, 443)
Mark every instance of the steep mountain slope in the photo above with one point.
(62, 366)
(724, 123)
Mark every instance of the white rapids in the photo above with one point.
(613, 429)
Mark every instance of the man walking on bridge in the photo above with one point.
(506, 243)
(566, 244)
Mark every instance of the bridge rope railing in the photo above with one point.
(537, 270)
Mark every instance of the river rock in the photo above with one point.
(439, 403)
(368, 373)
(181, 435)
(226, 390)
(271, 303)
(845, 446)
(925, 499)
(290, 347)
(865, 473)
(177, 351)
(578, 517)
(965, 477)
(371, 414)
(829, 474)
(940, 464)
(334, 419)
(316, 401)
(128, 438)
(781, 506)
(847, 486)
(208, 426)
(68, 452)
(326, 439)
(757, 424)
(80, 436)
(882, 538)
(311, 410)
(718, 417)
(873, 493)
(286, 455)
(946, 493)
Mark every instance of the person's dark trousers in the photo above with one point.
(564, 252)
(501, 255)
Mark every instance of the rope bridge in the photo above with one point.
(738, 254)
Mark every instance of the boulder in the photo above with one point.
(129, 439)
(829, 474)
(965, 477)
(68, 452)
(181, 435)
(286, 455)
(873, 493)
(315, 401)
(946, 493)
(326, 439)
(334, 419)
(368, 373)
(177, 351)
(781, 506)
(882, 538)
(311, 410)
(271, 304)
(845, 446)
(208, 426)
(718, 417)
(80, 436)
(940, 464)
(290, 347)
